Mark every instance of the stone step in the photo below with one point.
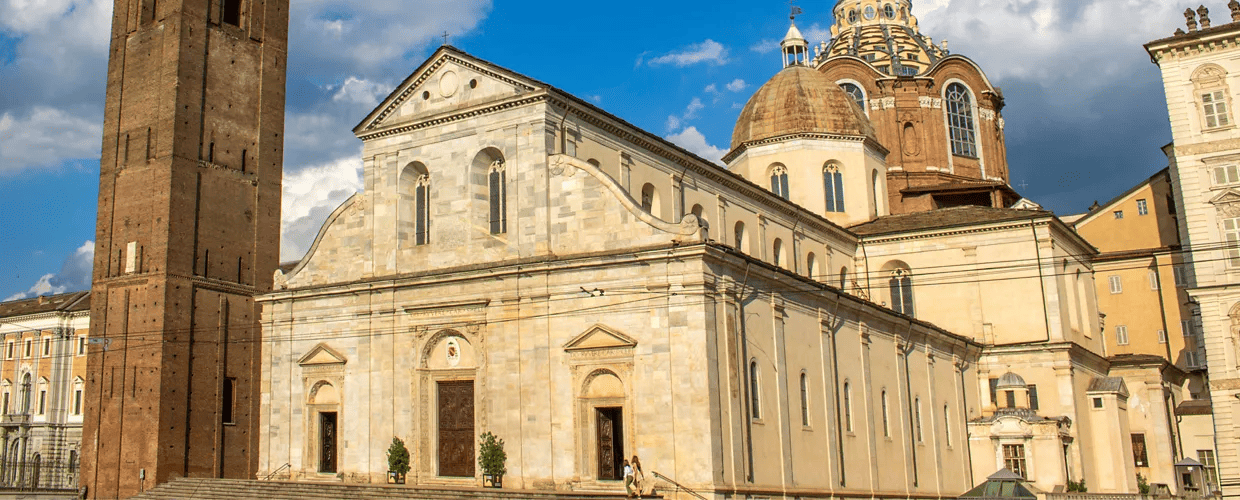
(228, 489)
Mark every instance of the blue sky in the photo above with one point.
(1085, 110)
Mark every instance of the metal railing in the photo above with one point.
(276, 472)
(1092, 496)
(38, 476)
(679, 487)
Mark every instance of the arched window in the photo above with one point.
(804, 400)
(778, 252)
(497, 182)
(848, 420)
(901, 287)
(26, 388)
(833, 186)
(755, 402)
(650, 199)
(854, 91)
(960, 120)
(414, 219)
(779, 181)
(811, 266)
(886, 422)
(740, 238)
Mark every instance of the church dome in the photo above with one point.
(799, 100)
(1011, 380)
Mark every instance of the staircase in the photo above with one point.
(198, 488)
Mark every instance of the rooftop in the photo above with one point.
(945, 218)
(68, 302)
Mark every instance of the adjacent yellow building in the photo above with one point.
(1141, 284)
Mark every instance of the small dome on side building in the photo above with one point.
(1011, 380)
(799, 100)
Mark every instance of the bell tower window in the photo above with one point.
(231, 12)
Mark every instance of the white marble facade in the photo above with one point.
(600, 297)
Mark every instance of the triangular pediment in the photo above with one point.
(321, 355)
(1226, 197)
(599, 337)
(450, 80)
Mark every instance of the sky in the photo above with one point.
(1086, 114)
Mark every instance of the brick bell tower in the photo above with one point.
(188, 233)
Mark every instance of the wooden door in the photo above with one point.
(610, 444)
(327, 442)
(456, 429)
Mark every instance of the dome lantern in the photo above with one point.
(794, 47)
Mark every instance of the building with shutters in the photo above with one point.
(42, 390)
(1199, 71)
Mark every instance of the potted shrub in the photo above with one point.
(491, 459)
(398, 461)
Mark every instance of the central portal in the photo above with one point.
(456, 429)
(610, 444)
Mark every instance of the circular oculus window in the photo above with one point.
(869, 12)
(448, 83)
(852, 16)
(889, 11)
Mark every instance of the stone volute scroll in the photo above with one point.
(565, 165)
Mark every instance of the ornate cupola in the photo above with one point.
(885, 34)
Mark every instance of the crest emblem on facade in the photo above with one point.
(452, 350)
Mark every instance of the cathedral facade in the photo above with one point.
(526, 264)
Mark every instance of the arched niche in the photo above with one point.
(451, 351)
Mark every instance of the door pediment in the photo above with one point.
(600, 337)
(322, 355)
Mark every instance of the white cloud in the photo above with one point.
(709, 51)
(360, 91)
(310, 195)
(673, 123)
(74, 275)
(737, 85)
(695, 142)
(817, 33)
(46, 137)
(1075, 49)
(765, 46)
(365, 38)
(51, 107)
(711, 89)
(691, 111)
